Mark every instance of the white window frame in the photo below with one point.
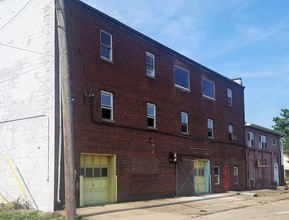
(207, 95)
(262, 142)
(230, 97)
(104, 106)
(274, 141)
(188, 78)
(231, 129)
(153, 116)
(109, 47)
(210, 125)
(236, 181)
(148, 68)
(250, 139)
(217, 175)
(185, 123)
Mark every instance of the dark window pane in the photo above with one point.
(216, 170)
(88, 172)
(181, 78)
(106, 113)
(210, 133)
(105, 52)
(82, 171)
(151, 122)
(96, 172)
(184, 128)
(104, 172)
(106, 39)
(208, 88)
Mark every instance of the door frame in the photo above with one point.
(226, 178)
(113, 177)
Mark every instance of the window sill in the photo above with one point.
(152, 128)
(209, 98)
(182, 88)
(151, 77)
(107, 120)
(106, 60)
(185, 133)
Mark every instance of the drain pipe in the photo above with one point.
(59, 144)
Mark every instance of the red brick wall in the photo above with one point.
(264, 176)
(144, 170)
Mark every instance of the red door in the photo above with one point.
(226, 178)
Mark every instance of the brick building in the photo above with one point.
(148, 121)
(263, 157)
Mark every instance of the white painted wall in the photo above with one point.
(27, 101)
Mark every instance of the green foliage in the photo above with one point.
(17, 214)
(282, 125)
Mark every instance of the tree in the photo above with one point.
(282, 125)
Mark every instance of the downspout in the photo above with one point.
(245, 146)
(59, 144)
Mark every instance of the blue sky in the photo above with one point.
(236, 38)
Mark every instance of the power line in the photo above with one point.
(32, 51)
(5, 25)
(40, 65)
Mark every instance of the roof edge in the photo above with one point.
(111, 19)
(250, 124)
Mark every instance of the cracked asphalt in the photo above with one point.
(268, 204)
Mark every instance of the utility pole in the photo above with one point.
(64, 70)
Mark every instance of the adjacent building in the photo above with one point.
(148, 121)
(286, 166)
(264, 157)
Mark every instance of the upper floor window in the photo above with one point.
(262, 141)
(151, 115)
(232, 137)
(230, 97)
(106, 105)
(182, 78)
(184, 119)
(150, 64)
(274, 142)
(250, 136)
(236, 175)
(208, 89)
(210, 128)
(105, 45)
(217, 174)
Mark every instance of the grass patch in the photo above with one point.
(24, 214)
(22, 211)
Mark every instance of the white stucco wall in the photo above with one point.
(27, 101)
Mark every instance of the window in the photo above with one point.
(182, 78)
(262, 142)
(105, 45)
(151, 115)
(150, 64)
(217, 174)
(232, 137)
(236, 174)
(250, 139)
(274, 142)
(106, 106)
(230, 97)
(184, 119)
(231, 129)
(210, 128)
(97, 172)
(208, 89)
